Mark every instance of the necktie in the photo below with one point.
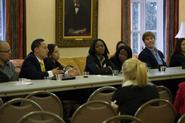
(42, 66)
(157, 57)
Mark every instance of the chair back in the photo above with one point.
(103, 93)
(123, 119)
(1, 101)
(13, 110)
(181, 119)
(93, 112)
(41, 117)
(164, 93)
(48, 101)
(156, 111)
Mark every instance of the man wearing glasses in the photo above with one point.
(7, 69)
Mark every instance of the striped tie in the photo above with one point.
(42, 66)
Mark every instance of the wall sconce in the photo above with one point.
(181, 33)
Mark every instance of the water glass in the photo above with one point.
(86, 74)
(59, 77)
(115, 72)
(21, 81)
(162, 68)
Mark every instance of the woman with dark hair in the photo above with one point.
(97, 61)
(52, 61)
(53, 57)
(122, 53)
(178, 57)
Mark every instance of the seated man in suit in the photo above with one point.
(7, 69)
(34, 64)
(150, 54)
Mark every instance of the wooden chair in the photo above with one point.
(103, 93)
(93, 112)
(156, 111)
(122, 118)
(41, 117)
(13, 110)
(164, 93)
(48, 101)
(181, 119)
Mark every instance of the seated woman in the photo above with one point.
(97, 61)
(153, 57)
(69, 70)
(52, 61)
(135, 89)
(122, 53)
(178, 57)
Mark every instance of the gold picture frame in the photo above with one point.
(76, 22)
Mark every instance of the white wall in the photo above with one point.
(181, 10)
(109, 21)
(40, 16)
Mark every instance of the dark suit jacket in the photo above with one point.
(93, 66)
(117, 64)
(31, 68)
(147, 57)
(50, 64)
(177, 59)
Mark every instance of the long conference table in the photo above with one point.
(27, 86)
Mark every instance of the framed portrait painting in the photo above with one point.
(76, 22)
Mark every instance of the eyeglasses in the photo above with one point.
(5, 51)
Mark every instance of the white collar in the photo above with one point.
(131, 82)
(76, 10)
(39, 59)
(103, 58)
(128, 83)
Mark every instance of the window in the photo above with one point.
(2, 20)
(146, 15)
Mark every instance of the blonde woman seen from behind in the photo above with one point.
(135, 89)
(135, 72)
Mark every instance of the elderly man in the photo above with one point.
(7, 69)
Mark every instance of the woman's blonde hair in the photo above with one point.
(135, 70)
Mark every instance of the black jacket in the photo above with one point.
(117, 64)
(50, 64)
(147, 57)
(31, 68)
(130, 98)
(177, 59)
(93, 66)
